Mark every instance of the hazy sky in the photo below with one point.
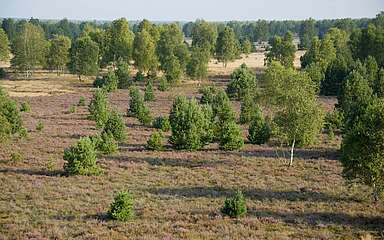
(190, 9)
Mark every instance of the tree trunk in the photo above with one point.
(79, 78)
(292, 148)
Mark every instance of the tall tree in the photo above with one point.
(197, 67)
(120, 39)
(282, 50)
(9, 27)
(204, 35)
(58, 53)
(144, 52)
(297, 115)
(84, 57)
(29, 48)
(4, 46)
(307, 33)
(226, 46)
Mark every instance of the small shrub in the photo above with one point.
(247, 109)
(72, 109)
(81, 158)
(333, 120)
(144, 116)
(136, 101)
(148, 94)
(155, 141)
(242, 81)
(107, 143)
(162, 123)
(139, 77)
(163, 84)
(259, 131)
(99, 82)
(39, 126)
(23, 133)
(50, 164)
(2, 73)
(208, 94)
(98, 108)
(25, 107)
(16, 157)
(122, 73)
(81, 102)
(235, 206)
(122, 208)
(115, 125)
(230, 137)
(110, 81)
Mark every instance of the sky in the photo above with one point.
(181, 10)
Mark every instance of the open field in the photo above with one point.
(178, 194)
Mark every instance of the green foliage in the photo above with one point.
(4, 46)
(208, 94)
(144, 51)
(58, 52)
(122, 208)
(25, 107)
(163, 84)
(235, 206)
(17, 157)
(148, 94)
(115, 125)
(247, 108)
(81, 102)
(84, 57)
(188, 124)
(122, 74)
(230, 136)
(105, 143)
(197, 67)
(81, 158)
(144, 115)
(139, 77)
(136, 101)
(39, 126)
(155, 141)
(361, 150)
(120, 41)
(29, 48)
(282, 50)
(110, 81)
(222, 108)
(246, 47)
(307, 33)
(162, 123)
(98, 108)
(3, 74)
(259, 131)
(173, 70)
(10, 119)
(226, 46)
(243, 80)
(204, 36)
(333, 120)
(379, 85)
(72, 109)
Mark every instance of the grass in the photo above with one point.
(178, 194)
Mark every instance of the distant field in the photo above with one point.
(178, 194)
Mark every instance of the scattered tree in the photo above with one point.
(58, 53)
(84, 57)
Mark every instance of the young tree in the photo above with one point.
(4, 46)
(307, 33)
(226, 46)
(246, 47)
(259, 131)
(120, 41)
(58, 53)
(197, 67)
(148, 94)
(291, 94)
(204, 36)
(122, 73)
(247, 108)
(282, 50)
(361, 149)
(29, 48)
(144, 52)
(84, 57)
(242, 81)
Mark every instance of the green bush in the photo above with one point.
(108, 82)
(98, 108)
(162, 123)
(208, 94)
(243, 80)
(235, 206)
(115, 125)
(10, 119)
(122, 208)
(148, 94)
(259, 131)
(247, 109)
(2, 73)
(136, 101)
(230, 137)
(188, 124)
(333, 120)
(72, 109)
(139, 77)
(81, 102)
(122, 73)
(39, 126)
(106, 143)
(17, 157)
(144, 115)
(155, 141)
(99, 82)
(163, 84)
(81, 158)
(25, 107)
